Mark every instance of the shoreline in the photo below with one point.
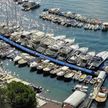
(94, 40)
(8, 78)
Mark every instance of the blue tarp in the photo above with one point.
(27, 50)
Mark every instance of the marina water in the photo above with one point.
(95, 40)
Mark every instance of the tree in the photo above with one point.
(3, 98)
(20, 95)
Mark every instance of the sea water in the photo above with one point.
(96, 41)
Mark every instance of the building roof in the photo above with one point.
(76, 98)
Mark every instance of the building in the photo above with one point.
(74, 99)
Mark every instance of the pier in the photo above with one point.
(87, 103)
(35, 53)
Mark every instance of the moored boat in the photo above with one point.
(70, 19)
(77, 75)
(22, 55)
(30, 6)
(33, 65)
(88, 79)
(55, 70)
(48, 68)
(82, 77)
(81, 87)
(24, 59)
(62, 72)
(68, 76)
(22, 62)
(16, 59)
(101, 96)
(105, 26)
(94, 80)
(42, 65)
(97, 60)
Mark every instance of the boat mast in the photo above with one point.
(7, 18)
(15, 14)
(1, 11)
(11, 11)
(4, 12)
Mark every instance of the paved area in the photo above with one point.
(51, 105)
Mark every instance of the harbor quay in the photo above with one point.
(58, 49)
(70, 101)
(43, 102)
(55, 64)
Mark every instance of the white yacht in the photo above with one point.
(62, 71)
(92, 53)
(33, 64)
(83, 49)
(74, 46)
(17, 58)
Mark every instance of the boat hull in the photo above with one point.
(67, 79)
(22, 65)
(32, 69)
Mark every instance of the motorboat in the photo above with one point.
(62, 72)
(70, 19)
(60, 37)
(97, 60)
(75, 46)
(81, 87)
(42, 64)
(91, 53)
(83, 58)
(68, 76)
(48, 68)
(26, 6)
(12, 55)
(73, 54)
(62, 55)
(54, 10)
(94, 80)
(51, 52)
(42, 48)
(49, 41)
(83, 49)
(22, 62)
(82, 77)
(77, 75)
(56, 70)
(88, 79)
(105, 26)
(101, 97)
(69, 41)
(72, 59)
(17, 58)
(33, 63)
